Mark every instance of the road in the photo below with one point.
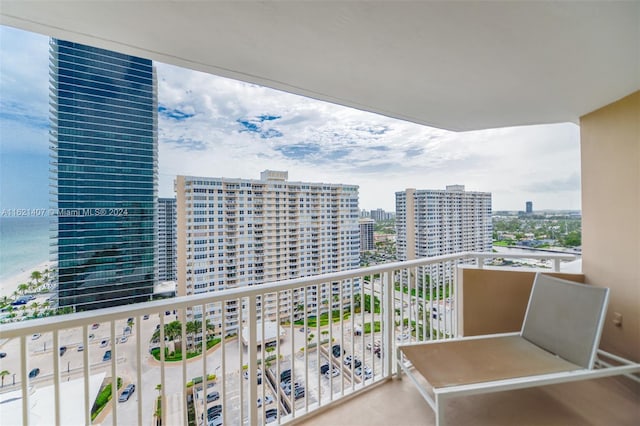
(305, 363)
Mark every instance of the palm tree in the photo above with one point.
(172, 331)
(22, 288)
(36, 276)
(158, 411)
(3, 374)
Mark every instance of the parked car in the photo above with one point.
(104, 343)
(3, 354)
(63, 350)
(213, 396)
(20, 301)
(214, 411)
(34, 373)
(246, 373)
(123, 339)
(334, 372)
(107, 356)
(298, 391)
(94, 326)
(35, 336)
(324, 368)
(80, 348)
(271, 415)
(145, 317)
(285, 375)
(337, 351)
(356, 362)
(127, 392)
(368, 373)
(215, 420)
(267, 400)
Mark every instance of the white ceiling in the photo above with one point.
(453, 65)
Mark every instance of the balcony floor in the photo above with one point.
(397, 402)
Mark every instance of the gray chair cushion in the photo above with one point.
(566, 318)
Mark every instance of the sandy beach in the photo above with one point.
(9, 285)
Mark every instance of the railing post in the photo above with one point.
(388, 318)
(479, 262)
(24, 382)
(252, 349)
(556, 265)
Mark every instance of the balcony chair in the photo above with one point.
(558, 343)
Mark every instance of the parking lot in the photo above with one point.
(308, 367)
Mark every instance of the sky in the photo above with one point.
(214, 126)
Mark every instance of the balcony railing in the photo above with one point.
(306, 343)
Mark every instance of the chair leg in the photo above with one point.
(439, 410)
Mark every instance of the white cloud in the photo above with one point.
(317, 141)
(213, 126)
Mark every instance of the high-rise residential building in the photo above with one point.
(104, 148)
(379, 215)
(240, 232)
(436, 222)
(529, 206)
(167, 254)
(366, 234)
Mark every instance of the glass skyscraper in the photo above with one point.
(104, 153)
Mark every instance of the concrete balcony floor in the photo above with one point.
(610, 401)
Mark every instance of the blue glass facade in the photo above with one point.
(104, 147)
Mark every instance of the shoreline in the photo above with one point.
(10, 284)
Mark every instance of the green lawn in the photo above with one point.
(324, 319)
(177, 355)
(102, 399)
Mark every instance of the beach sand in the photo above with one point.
(9, 285)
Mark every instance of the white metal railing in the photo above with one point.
(360, 314)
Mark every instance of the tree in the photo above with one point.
(36, 276)
(22, 288)
(3, 374)
(158, 411)
(573, 238)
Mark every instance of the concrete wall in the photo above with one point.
(610, 150)
(494, 301)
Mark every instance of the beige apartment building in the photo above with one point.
(241, 232)
(432, 222)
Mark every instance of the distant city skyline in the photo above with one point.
(212, 126)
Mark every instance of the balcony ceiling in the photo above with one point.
(453, 65)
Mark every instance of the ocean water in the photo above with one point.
(24, 243)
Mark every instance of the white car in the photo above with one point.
(267, 400)
(35, 336)
(368, 373)
(334, 373)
